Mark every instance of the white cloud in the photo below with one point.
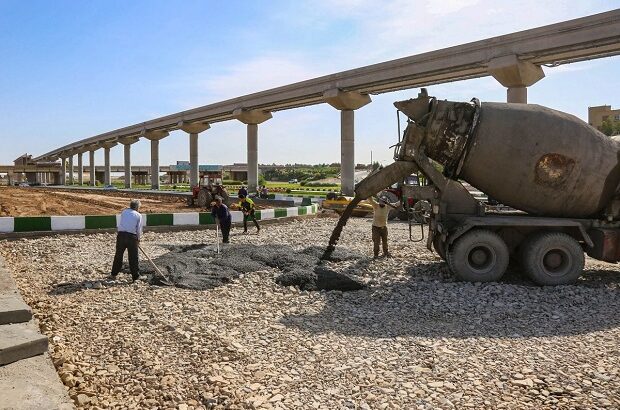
(259, 74)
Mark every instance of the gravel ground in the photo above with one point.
(415, 338)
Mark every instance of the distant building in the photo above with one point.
(596, 115)
(23, 160)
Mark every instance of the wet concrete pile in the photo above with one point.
(200, 267)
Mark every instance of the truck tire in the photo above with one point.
(225, 198)
(204, 198)
(479, 255)
(552, 258)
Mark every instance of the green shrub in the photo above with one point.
(319, 184)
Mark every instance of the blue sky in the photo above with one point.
(74, 69)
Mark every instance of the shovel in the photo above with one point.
(163, 279)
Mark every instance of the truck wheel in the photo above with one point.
(479, 255)
(552, 258)
(225, 198)
(204, 198)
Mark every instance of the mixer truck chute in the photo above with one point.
(559, 175)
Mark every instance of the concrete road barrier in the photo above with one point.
(78, 223)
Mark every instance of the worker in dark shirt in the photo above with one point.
(242, 191)
(221, 214)
(247, 207)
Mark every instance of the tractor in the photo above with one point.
(406, 206)
(205, 192)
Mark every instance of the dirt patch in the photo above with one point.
(16, 201)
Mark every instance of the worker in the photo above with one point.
(222, 217)
(379, 225)
(128, 237)
(247, 207)
(242, 191)
(264, 192)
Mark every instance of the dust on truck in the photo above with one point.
(559, 174)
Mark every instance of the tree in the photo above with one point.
(610, 127)
(375, 165)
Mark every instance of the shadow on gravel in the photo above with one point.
(66, 288)
(430, 303)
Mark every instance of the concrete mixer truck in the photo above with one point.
(559, 174)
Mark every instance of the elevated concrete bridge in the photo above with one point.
(515, 60)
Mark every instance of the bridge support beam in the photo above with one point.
(80, 168)
(127, 157)
(63, 171)
(107, 179)
(516, 75)
(193, 129)
(347, 102)
(91, 164)
(71, 169)
(252, 118)
(154, 136)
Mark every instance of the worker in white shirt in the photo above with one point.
(379, 225)
(128, 237)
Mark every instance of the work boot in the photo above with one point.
(112, 278)
(139, 277)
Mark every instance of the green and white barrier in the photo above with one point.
(78, 223)
(299, 200)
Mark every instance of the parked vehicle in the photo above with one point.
(340, 202)
(204, 193)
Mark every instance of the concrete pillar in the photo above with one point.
(154, 164)
(154, 136)
(127, 154)
(515, 75)
(517, 95)
(71, 169)
(252, 142)
(107, 167)
(80, 169)
(63, 171)
(107, 179)
(346, 102)
(91, 164)
(193, 129)
(127, 157)
(252, 118)
(347, 152)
